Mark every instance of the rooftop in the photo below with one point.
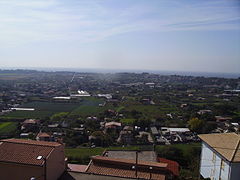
(31, 142)
(25, 151)
(226, 144)
(87, 176)
(43, 134)
(126, 173)
(121, 161)
(173, 166)
(143, 155)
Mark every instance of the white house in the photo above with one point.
(220, 156)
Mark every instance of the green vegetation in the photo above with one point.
(196, 124)
(187, 155)
(42, 109)
(88, 106)
(7, 128)
(82, 155)
(128, 121)
(152, 111)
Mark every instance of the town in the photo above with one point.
(116, 114)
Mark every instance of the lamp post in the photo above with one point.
(136, 164)
(150, 168)
(45, 168)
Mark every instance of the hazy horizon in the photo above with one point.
(101, 70)
(157, 35)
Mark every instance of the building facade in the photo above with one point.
(25, 159)
(220, 156)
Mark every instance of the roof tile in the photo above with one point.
(24, 151)
(226, 144)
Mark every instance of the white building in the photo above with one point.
(220, 156)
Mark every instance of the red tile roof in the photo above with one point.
(43, 134)
(173, 166)
(124, 168)
(25, 151)
(31, 121)
(127, 173)
(77, 167)
(33, 142)
(108, 160)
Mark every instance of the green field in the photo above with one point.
(129, 121)
(186, 148)
(7, 128)
(152, 111)
(87, 106)
(90, 106)
(42, 109)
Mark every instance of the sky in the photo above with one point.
(173, 35)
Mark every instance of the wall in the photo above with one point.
(56, 163)
(12, 171)
(210, 167)
(235, 171)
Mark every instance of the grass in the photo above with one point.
(87, 106)
(82, 155)
(120, 108)
(129, 121)
(90, 106)
(184, 147)
(7, 127)
(151, 111)
(42, 109)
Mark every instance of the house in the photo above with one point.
(172, 167)
(220, 156)
(222, 119)
(144, 137)
(42, 136)
(30, 124)
(154, 131)
(124, 165)
(204, 111)
(25, 159)
(127, 168)
(126, 135)
(113, 125)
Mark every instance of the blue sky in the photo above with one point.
(181, 35)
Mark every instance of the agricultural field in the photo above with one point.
(128, 121)
(90, 106)
(151, 111)
(42, 109)
(87, 106)
(7, 128)
(12, 76)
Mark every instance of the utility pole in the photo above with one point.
(45, 168)
(136, 164)
(150, 168)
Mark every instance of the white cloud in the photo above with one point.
(27, 21)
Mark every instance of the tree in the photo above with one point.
(209, 126)
(59, 116)
(142, 122)
(196, 125)
(172, 153)
(101, 139)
